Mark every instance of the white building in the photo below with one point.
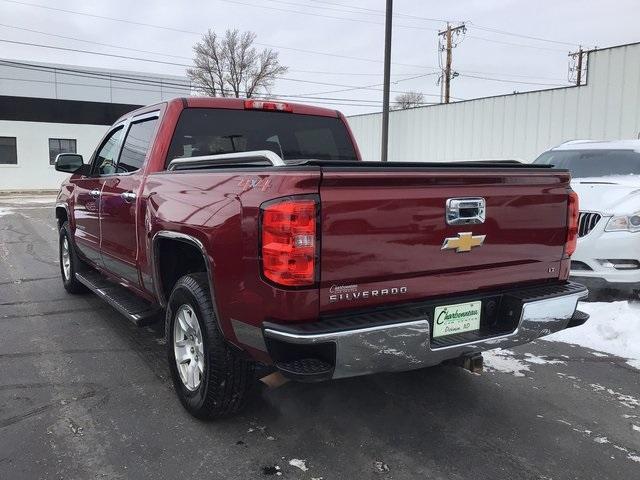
(517, 126)
(47, 109)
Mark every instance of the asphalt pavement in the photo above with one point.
(86, 395)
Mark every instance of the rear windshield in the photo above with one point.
(208, 131)
(593, 163)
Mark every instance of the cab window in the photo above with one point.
(105, 161)
(136, 145)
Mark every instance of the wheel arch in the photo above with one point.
(164, 281)
(62, 214)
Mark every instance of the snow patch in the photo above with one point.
(301, 464)
(531, 358)
(614, 328)
(628, 401)
(5, 211)
(27, 200)
(504, 361)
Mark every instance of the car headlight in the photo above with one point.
(627, 223)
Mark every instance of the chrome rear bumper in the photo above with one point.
(407, 345)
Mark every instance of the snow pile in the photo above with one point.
(613, 328)
(301, 464)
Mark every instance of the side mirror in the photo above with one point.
(68, 162)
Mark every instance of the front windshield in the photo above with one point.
(593, 163)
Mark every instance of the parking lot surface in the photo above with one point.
(84, 394)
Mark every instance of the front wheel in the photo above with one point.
(211, 378)
(69, 261)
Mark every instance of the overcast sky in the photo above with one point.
(336, 43)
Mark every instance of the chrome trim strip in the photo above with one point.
(406, 346)
(226, 158)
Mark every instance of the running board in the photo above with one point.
(134, 308)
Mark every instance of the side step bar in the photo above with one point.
(134, 308)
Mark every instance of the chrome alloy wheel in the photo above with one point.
(66, 259)
(187, 347)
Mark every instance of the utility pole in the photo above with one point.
(387, 81)
(448, 48)
(577, 57)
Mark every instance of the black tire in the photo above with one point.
(228, 377)
(70, 282)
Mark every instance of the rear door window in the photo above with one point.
(208, 131)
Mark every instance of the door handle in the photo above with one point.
(465, 211)
(128, 197)
(94, 193)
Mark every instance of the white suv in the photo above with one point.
(606, 176)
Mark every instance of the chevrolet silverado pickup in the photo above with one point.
(265, 242)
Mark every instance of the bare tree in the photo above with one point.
(230, 66)
(409, 100)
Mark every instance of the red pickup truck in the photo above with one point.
(266, 241)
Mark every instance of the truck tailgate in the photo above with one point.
(383, 232)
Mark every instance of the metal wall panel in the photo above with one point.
(68, 82)
(517, 126)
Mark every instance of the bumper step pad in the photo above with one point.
(306, 369)
(131, 306)
(579, 318)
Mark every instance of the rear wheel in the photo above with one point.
(210, 377)
(69, 261)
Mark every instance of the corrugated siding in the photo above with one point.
(517, 126)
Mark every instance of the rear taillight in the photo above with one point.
(573, 213)
(289, 250)
(262, 105)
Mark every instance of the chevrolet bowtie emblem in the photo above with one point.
(464, 242)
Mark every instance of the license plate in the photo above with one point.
(459, 318)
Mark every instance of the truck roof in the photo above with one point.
(239, 104)
(600, 145)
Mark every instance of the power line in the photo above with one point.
(140, 80)
(521, 35)
(148, 82)
(76, 39)
(313, 14)
(317, 72)
(75, 50)
(520, 45)
(510, 81)
(380, 12)
(199, 34)
(371, 11)
(440, 20)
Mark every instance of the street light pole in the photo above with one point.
(387, 80)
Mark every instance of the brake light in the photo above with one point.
(289, 254)
(573, 213)
(262, 105)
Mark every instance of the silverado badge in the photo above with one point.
(464, 242)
